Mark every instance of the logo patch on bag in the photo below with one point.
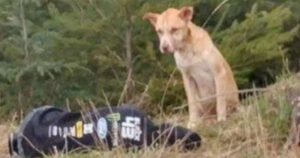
(113, 117)
(131, 128)
(79, 129)
(102, 128)
(88, 128)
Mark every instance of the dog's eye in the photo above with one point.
(159, 32)
(173, 30)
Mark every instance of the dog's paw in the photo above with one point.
(221, 118)
(191, 125)
(287, 146)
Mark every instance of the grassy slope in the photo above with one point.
(257, 130)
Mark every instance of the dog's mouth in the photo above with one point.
(166, 49)
(167, 52)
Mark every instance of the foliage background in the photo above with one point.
(96, 52)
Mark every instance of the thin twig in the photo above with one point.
(167, 86)
(214, 11)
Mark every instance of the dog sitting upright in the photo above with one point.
(208, 79)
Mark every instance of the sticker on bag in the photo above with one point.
(102, 128)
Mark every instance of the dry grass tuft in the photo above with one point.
(5, 129)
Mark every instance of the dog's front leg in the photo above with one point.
(192, 101)
(222, 91)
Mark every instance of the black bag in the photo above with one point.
(48, 130)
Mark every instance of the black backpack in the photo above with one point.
(49, 130)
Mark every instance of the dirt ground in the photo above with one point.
(4, 130)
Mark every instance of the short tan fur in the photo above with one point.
(204, 70)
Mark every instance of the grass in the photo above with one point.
(258, 129)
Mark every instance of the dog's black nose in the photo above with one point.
(165, 48)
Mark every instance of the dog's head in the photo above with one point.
(171, 27)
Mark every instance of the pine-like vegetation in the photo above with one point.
(96, 52)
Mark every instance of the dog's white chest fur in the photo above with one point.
(197, 69)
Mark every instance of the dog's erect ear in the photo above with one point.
(186, 13)
(152, 17)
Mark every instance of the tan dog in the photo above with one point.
(208, 79)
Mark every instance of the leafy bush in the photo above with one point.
(255, 46)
